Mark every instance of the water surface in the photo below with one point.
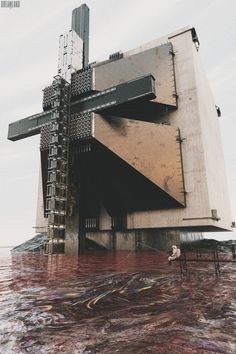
(123, 302)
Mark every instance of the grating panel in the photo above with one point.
(48, 94)
(81, 81)
(45, 137)
(80, 126)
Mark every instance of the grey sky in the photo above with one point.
(29, 49)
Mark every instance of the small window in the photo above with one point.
(49, 190)
(65, 40)
(48, 204)
(65, 59)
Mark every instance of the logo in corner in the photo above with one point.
(10, 4)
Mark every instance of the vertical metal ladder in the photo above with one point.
(57, 179)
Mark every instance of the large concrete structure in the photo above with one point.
(130, 148)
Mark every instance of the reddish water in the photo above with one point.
(114, 303)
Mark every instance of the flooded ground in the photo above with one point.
(114, 303)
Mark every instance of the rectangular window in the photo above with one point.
(48, 204)
(52, 163)
(65, 40)
(49, 190)
(65, 59)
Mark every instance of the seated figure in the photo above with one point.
(175, 253)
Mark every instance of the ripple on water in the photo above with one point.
(123, 303)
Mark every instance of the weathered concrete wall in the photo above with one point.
(71, 239)
(203, 163)
(213, 152)
(202, 158)
(142, 239)
(72, 218)
(41, 221)
(102, 238)
(121, 241)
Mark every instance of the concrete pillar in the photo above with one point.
(41, 221)
(112, 237)
(81, 229)
(138, 240)
(72, 219)
(71, 239)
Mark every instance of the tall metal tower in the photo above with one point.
(80, 24)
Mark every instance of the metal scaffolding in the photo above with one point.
(57, 179)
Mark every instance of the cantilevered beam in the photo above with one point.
(141, 89)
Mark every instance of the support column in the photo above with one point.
(82, 231)
(112, 241)
(75, 240)
(138, 240)
(71, 239)
(72, 219)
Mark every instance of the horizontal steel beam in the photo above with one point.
(29, 126)
(141, 89)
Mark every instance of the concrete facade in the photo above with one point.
(204, 182)
(142, 240)
(202, 154)
(41, 222)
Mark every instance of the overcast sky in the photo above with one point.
(28, 61)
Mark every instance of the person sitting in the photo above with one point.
(175, 253)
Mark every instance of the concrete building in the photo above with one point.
(144, 164)
(206, 205)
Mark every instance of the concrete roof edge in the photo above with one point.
(152, 44)
(180, 31)
(156, 42)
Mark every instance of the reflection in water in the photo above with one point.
(125, 303)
